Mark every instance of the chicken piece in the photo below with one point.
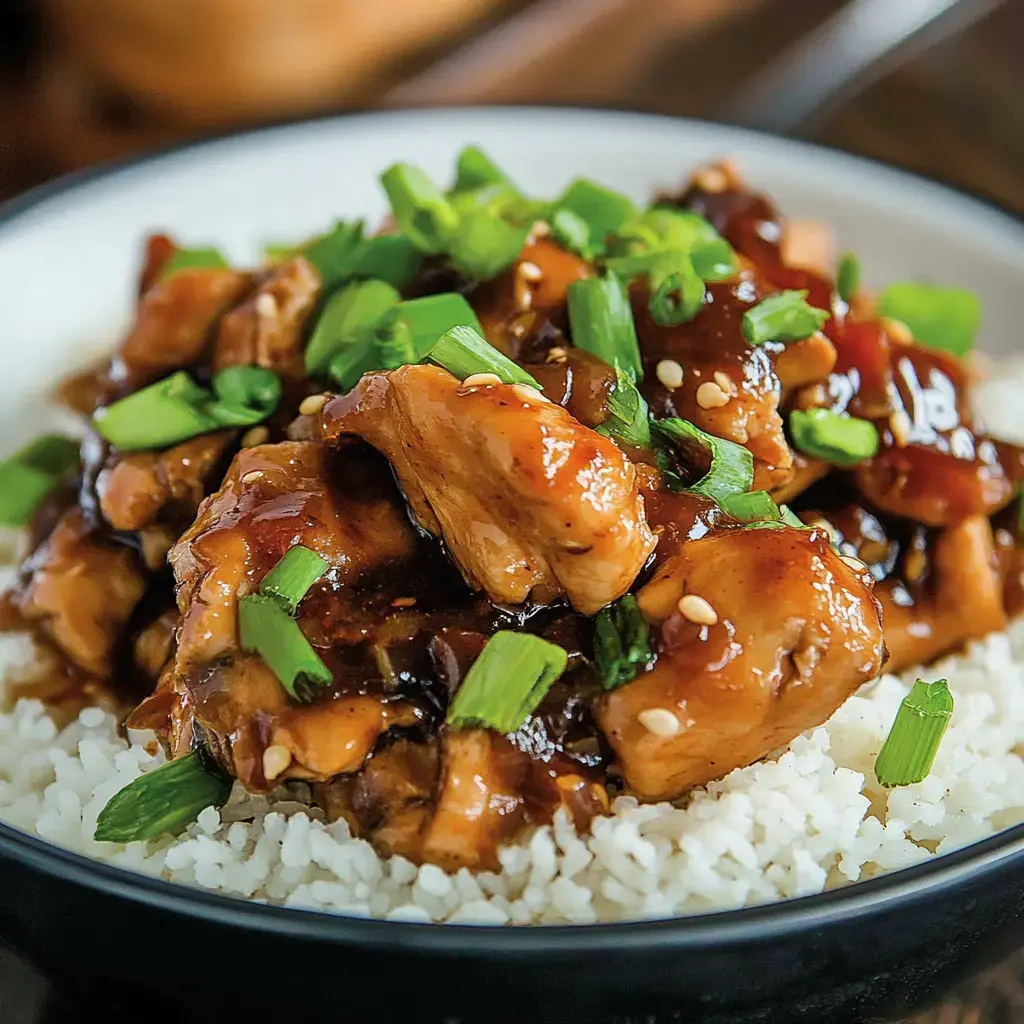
(173, 323)
(802, 362)
(269, 328)
(528, 501)
(795, 631)
(81, 591)
(808, 245)
(134, 489)
(159, 249)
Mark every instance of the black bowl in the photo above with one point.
(880, 947)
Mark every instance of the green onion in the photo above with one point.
(782, 317)
(350, 316)
(622, 643)
(572, 232)
(330, 252)
(837, 438)
(664, 230)
(463, 352)
(394, 345)
(677, 297)
(192, 259)
(754, 506)
(629, 420)
(389, 258)
(847, 276)
(246, 395)
(420, 208)
(909, 750)
(32, 473)
(430, 317)
(289, 581)
(603, 210)
(938, 317)
(475, 169)
(485, 245)
(732, 466)
(601, 320)
(790, 518)
(162, 801)
(264, 628)
(352, 362)
(507, 682)
(714, 261)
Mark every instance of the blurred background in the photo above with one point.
(932, 85)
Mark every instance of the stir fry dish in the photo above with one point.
(510, 507)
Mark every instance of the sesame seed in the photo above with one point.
(897, 330)
(275, 759)
(312, 404)
(254, 436)
(824, 524)
(521, 294)
(670, 373)
(530, 271)
(854, 563)
(914, 565)
(659, 721)
(529, 394)
(540, 229)
(481, 380)
(252, 476)
(710, 179)
(711, 396)
(555, 355)
(265, 304)
(724, 381)
(695, 609)
(403, 602)
(899, 426)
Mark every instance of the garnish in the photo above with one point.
(572, 232)
(622, 643)
(245, 395)
(677, 296)
(289, 581)
(663, 229)
(754, 506)
(462, 351)
(350, 316)
(601, 321)
(192, 259)
(786, 316)
(485, 245)
(938, 316)
(847, 276)
(32, 473)
(909, 750)
(164, 800)
(475, 169)
(421, 210)
(835, 437)
(508, 680)
(428, 318)
(732, 466)
(603, 210)
(629, 420)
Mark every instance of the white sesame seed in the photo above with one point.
(670, 373)
(481, 380)
(897, 330)
(724, 381)
(252, 476)
(403, 602)
(899, 426)
(266, 305)
(275, 760)
(711, 396)
(530, 271)
(824, 524)
(540, 229)
(555, 355)
(659, 721)
(914, 565)
(854, 563)
(521, 294)
(254, 436)
(695, 609)
(529, 394)
(312, 404)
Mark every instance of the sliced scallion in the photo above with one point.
(847, 276)
(630, 419)
(431, 316)
(622, 643)
(754, 506)
(484, 245)
(572, 232)
(289, 581)
(786, 316)
(28, 476)
(392, 259)
(462, 351)
(508, 680)
(352, 362)
(601, 321)
(938, 316)
(835, 437)
(192, 259)
(421, 210)
(603, 210)
(732, 466)
(395, 344)
(910, 748)
(677, 297)
(351, 315)
(714, 261)
(162, 801)
(246, 395)
(475, 169)
(330, 253)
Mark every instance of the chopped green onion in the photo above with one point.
(790, 518)
(629, 420)
(289, 581)
(847, 276)
(835, 437)
(245, 395)
(420, 208)
(463, 352)
(754, 506)
(394, 345)
(622, 643)
(330, 253)
(572, 232)
(162, 801)
(431, 316)
(264, 628)
(603, 210)
(350, 316)
(475, 169)
(732, 466)
(782, 317)
(32, 473)
(508, 680)
(601, 320)
(192, 259)
(664, 230)
(909, 750)
(485, 245)
(938, 316)
(714, 261)
(352, 362)
(677, 297)
(389, 258)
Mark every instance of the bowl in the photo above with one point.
(68, 253)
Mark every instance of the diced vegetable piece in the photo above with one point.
(28, 476)
(289, 581)
(485, 245)
(572, 232)
(786, 316)
(350, 316)
(835, 437)
(421, 210)
(463, 352)
(847, 276)
(601, 320)
(910, 748)
(603, 210)
(475, 169)
(245, 395)
(622, 643)
(938, 316)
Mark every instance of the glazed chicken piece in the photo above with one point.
(268, 329)
(81, 590)
(529, 502)
(783, 633)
